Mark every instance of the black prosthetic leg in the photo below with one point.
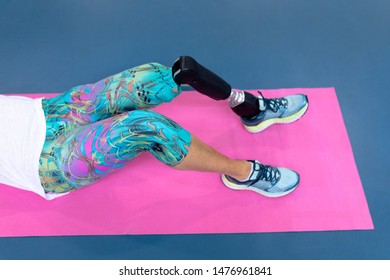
(187, 70)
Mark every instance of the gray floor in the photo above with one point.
(50, 46)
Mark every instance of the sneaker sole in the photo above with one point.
(263, 125)
(233, 186)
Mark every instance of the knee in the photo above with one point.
(161, 136)
(156, 127)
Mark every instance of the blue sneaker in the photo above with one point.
(287, 109)
(266, 180)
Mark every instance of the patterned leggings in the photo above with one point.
(95, 129)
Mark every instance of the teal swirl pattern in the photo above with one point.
(95, 129)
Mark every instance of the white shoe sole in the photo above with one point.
(263, 125)
(236, 187)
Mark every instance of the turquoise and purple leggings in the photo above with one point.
(95, 129)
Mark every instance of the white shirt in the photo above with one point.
(22, 135)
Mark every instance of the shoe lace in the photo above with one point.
(274, 103)
(269, 173)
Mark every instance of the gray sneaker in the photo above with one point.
(287, 109)
(266, 180)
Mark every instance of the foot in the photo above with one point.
(266, 180)
(287, 109)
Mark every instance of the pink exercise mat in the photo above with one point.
(146, 197)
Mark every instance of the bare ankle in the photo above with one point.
(244, 172)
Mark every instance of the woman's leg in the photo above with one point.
(91, 152)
